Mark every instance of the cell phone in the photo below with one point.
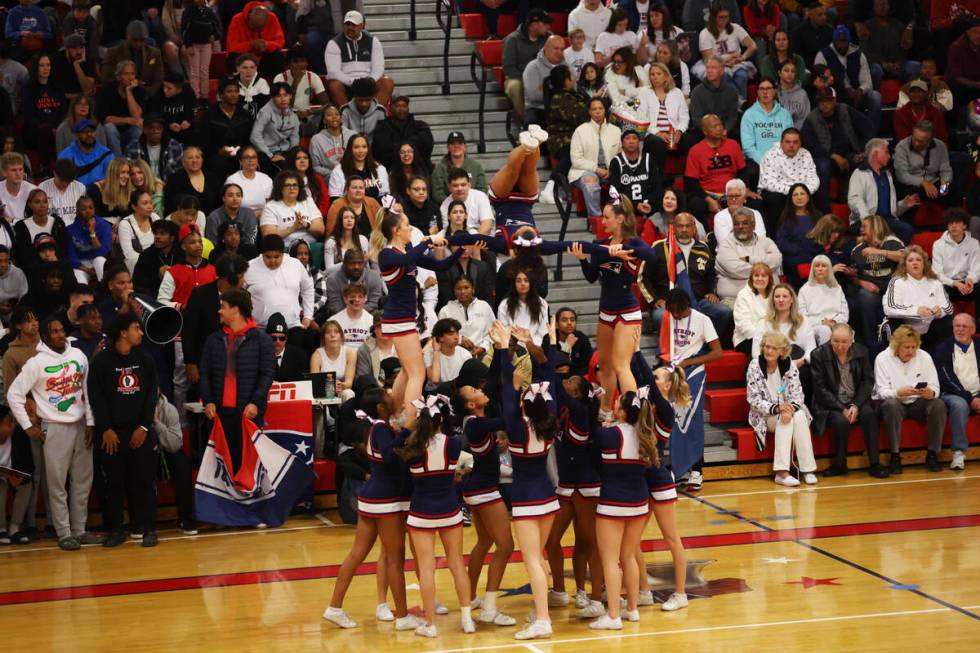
(921, 385)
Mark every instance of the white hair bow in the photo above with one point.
(360, 414)
(641, 394)
(674, 363)
(597, 391)
(431, 404)
(388, 203)
(614, 196)
(521, 241)
(538, 390)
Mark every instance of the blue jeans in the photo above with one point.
(959, 412)
(592, 190)
(120, 137)
(867, 313)
(740, 78)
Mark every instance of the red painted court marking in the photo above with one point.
(125, 588)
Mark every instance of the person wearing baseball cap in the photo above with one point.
(71, 69)
(147, 60)
(919, 107)
(351, 55)
(456, 158)
(91, 158)
(520, 48)
(292, 363)
(852, 74)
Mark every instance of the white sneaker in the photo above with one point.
(427, 630)
(539, 134)
(440, 608)
(810, 478)
(694, 482)
(645, 598)
(547, 194)
(383, 613)
(675, 601)
(538, 629)
(605, 622)
(528, 141)
(476, 604)
(581, 599)
(339, 617)
(788, 481)
(631, 615)
(557, 599)
(496, 618)
(468, 625)
(408, 622)
(622, 603)
(959, 460)
(592, 610)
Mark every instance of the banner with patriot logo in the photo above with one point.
(275, 472)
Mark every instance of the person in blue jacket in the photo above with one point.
(28, 30)
(89, 242)
(762, 127)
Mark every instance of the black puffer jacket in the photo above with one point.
(254, 362)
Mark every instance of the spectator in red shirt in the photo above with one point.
(257, 30)
(711, 164)
(963, 65)
(919, 108)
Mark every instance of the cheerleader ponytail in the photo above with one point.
(640, 414)
(432, 414)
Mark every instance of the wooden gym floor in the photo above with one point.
(853, 564)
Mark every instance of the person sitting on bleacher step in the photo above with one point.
(354, 54)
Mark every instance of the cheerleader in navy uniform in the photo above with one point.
(531, 428)
(382, 504)
(628, 447)
(435, 507)
(481, 492)
(514, 188)
(398, 262)
(668, 389)
(620, 319)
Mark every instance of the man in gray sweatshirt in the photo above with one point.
(922, 166)
(520, 47)
(714, 96)
(535, 75)
(276, 128)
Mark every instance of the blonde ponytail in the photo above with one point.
(645, 434)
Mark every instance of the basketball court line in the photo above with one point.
(819, 487)
(705, 629)
(834, 556)
(319, 572)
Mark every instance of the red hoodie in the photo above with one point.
(240, 35)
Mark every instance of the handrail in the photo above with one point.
(481, 85)
(446, 25)
(563, 202)
(412, 33)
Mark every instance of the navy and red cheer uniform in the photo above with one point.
(575, 453)
(435, 504)
(481, 487)
(660, 480)
(532, 494)
(389, 489)
(624, 493)
(616, 299)
(512, 213)
(399, 269)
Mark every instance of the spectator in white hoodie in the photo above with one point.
(592, 17)
(822, 301)
(907, 385)
(916, 297)
(279, 283)
(56, 379)
(956, 259)
(752, 306)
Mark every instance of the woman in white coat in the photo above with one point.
(752, 306)
(663, 106)
(594, 144)
(822, 301)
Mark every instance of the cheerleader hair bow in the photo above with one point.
(614, 196)
(431, 404)
(360, 414)
(674, 363)
(388, 203)
(597, 391)
(521, 241)
(641, 394)
(538, 390)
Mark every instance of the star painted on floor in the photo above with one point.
(808, 582)
(899, 586)
(779, 561)
(514, 591)
(302, 448)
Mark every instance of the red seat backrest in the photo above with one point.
(491, 52)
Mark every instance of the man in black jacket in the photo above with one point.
(237, 369)
(122, 392)
(227, 127)
(843, 379)
(201, 314)
(291, 361)
(155, 260)
(400, 127)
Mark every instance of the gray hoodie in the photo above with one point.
(518, 51)
(912, 167)
(797, 102)
(535, 75)
(363, 123)
(721, 101)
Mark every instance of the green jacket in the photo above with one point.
(439, 189)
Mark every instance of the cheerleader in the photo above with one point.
(382, 503)
(482, 494)
(398, 263)
(432, 456)
(615, 264)
(531, 428)
(578, 489)
(627, 448)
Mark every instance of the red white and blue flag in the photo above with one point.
(678, 277)
(276, 470)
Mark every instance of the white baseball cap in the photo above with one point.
(354, 18)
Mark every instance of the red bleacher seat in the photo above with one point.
(929, 214)
(889, 91)
(925, 240)
(674, 164)
(730, 367)
(219, 65)
(841, 211)
(753, 93)
(727, 405)
(326, 475)
(841, 6)
(803, 270)
(834, 187)
(506, 24)
(965, 307)
(492, 54)
(559, 22)
(474, 26)
(212, 90)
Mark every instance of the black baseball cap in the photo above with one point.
(540, 15)
(454, 137)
